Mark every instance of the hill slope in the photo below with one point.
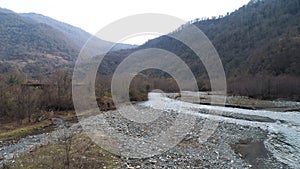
(261, 37)
(26, 45)
(258, 45)
(77, 35)
(36, 44)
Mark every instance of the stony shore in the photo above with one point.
(221, 150)
(230, 146)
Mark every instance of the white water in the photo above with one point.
(283, 135)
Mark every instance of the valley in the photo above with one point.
(236, 103)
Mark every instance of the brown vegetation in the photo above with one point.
(266, 87)
(73, 152)
(21, 98)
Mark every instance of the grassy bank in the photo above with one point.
(23, 131)
(12, 130)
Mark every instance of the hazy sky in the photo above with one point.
(92, 15)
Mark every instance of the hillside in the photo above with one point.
(29, 46)
(76, 35)
(37, 44)
(258, 45)
(261, 37)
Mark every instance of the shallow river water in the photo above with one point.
(283, 134)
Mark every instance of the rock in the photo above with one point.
(153, 161)
(42, 118)
(240, 155)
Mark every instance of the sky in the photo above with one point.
(92, 15)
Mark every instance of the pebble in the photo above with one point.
(153, 161)
(215, 153)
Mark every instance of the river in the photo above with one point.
(283, 133)
(283, 127)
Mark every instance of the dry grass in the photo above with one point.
(83, 153)
(11, 132)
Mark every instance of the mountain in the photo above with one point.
(258, 45)
(37, 44)
(77, 35)
(29, 46)
(261, 37)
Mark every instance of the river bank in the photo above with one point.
(242, 139)
(243, 102)
(216, 152)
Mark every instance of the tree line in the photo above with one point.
(22, 98)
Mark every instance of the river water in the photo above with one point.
(283, 134)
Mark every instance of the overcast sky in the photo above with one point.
(92, 15)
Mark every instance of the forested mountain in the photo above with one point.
(261, 37)
(259, 45)
(36, 44)
(28, 46)
(77, 35)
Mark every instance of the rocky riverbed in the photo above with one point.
(241, 138)
(217, 152)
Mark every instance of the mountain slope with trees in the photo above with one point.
(77, 35)
(258, 45)
(35, 44)
(28, 46)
